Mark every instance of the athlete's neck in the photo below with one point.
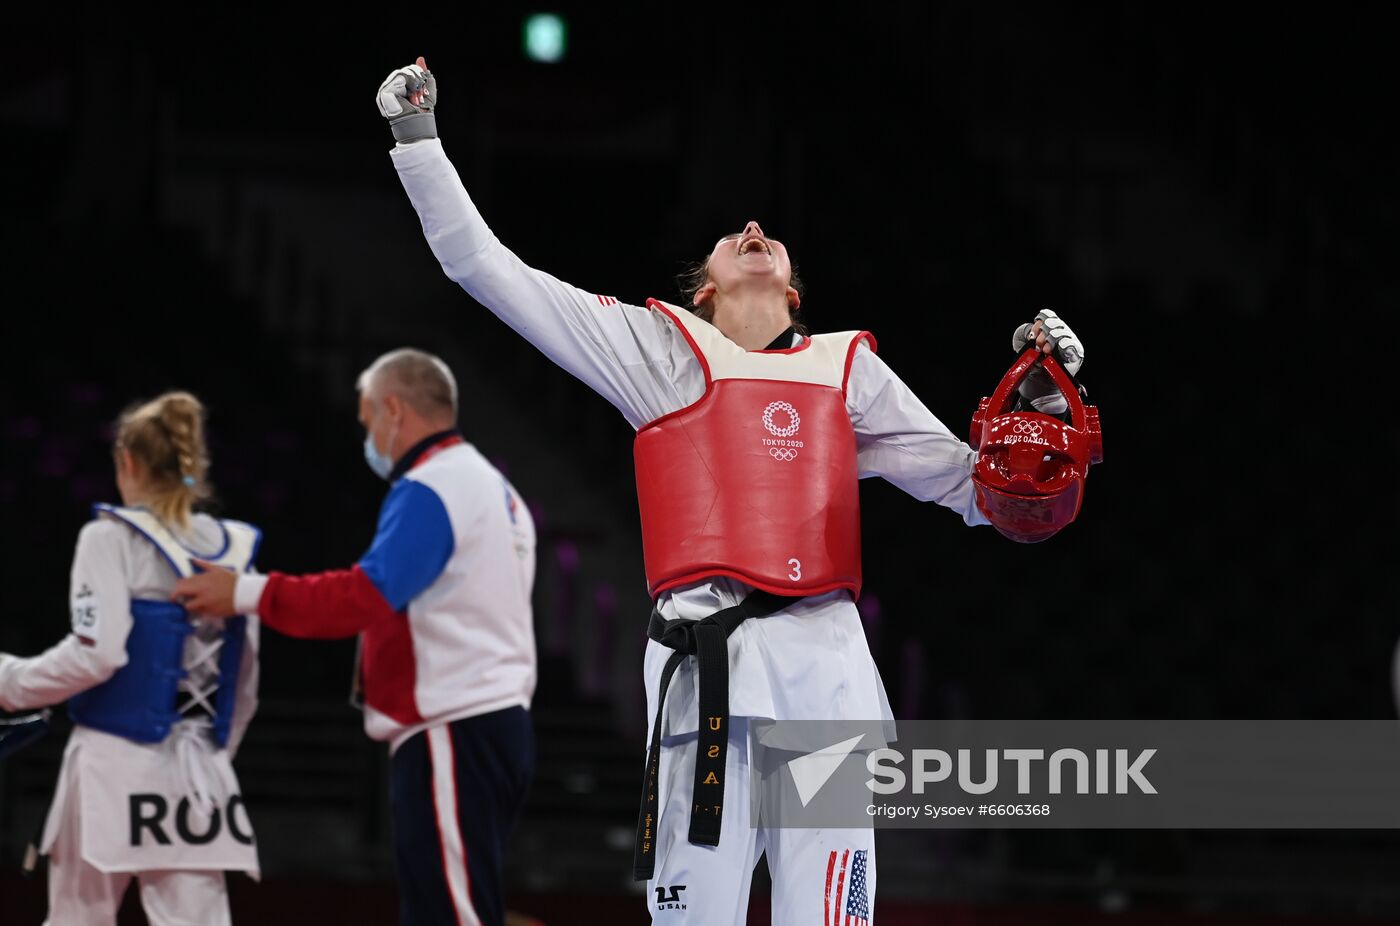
(751, 322)
(136, 497)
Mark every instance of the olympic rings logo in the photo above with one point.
(783, 453)
(773, 429)
(1026, 426)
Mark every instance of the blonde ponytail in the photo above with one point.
(166, 435)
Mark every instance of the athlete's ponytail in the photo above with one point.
(166, 436)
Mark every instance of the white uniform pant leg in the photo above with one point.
(819, 877)
(185, 898)
(710, 884)
(80, 894)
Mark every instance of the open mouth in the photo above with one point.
(750, 245)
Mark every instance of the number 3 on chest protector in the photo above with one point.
(796, 573)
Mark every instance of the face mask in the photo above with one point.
(380, 463)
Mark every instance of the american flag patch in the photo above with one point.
(850, 883)
(606, 300)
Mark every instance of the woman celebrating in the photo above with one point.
(751, 438)
(159, 701)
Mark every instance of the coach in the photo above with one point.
(441, 602)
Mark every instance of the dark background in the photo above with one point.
(203, 199)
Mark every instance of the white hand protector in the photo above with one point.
(407, 99)
(1038, 388)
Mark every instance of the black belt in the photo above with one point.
(706, 640)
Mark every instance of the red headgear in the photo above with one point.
(1030, 468)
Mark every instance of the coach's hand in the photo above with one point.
(407, 99)
(209, 594)
(1051, 335)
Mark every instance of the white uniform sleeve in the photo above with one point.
(247, 593)
(631, 356)
(898, 438)
(246, 699)
(100, 606)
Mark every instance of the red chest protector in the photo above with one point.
(757, 480)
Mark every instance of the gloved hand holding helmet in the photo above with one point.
(1031, 466)
(1053, 337)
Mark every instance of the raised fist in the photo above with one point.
(407, 99)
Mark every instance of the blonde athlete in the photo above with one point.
(159, 700)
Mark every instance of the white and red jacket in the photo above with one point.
(811, 660)
(441, 600)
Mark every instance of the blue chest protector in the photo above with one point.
(142, 700)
